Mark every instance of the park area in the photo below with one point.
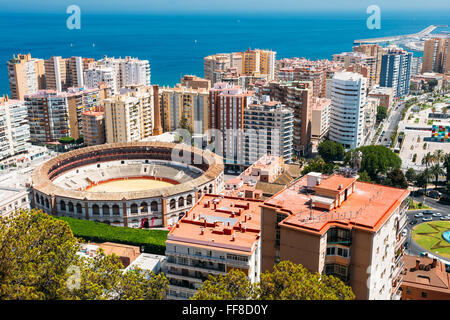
(429, 236)
(152, 241)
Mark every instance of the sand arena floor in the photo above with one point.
(129, 185)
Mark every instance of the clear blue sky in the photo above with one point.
(221, 6)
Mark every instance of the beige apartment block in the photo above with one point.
(185, 103)
(336, 225)
(26, 75)
(129, 115)
(436, 55)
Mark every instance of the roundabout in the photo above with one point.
(433, 236)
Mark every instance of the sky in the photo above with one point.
(220, 6)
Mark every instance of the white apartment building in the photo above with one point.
(97, 74)
(268, 129)
(14, 127)
(129, 71)
(12, 199)
(348, 100)
(218, 234)
(129, 115)
(320, 121)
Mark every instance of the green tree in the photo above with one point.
(287, 281)
(38, 260)
(67, 140)
(423, 178)
(410, 175)
(364, 176)
(331, 151)
(375, 160)
(234, 285)
(396, 178)
(436, 171)
(80, 140)
(381, 113)
(428, 159)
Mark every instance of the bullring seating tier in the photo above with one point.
(92, 175)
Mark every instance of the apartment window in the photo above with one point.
(408, 291)
(331, 251)
(424, 294)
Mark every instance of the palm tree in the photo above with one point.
(428, 159)
(439, 156)
(436, 171)
(444, 110)
(433, 109)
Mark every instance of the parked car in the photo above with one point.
(427, 219)
(413, 222)
(427, 212)
(434, 194)
(404, 232)
(445, 218)
(405, 245)
(418, 215)
(437, 214)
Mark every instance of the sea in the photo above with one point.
(176, 44)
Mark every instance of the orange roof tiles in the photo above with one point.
(368, 207)
(226, 223)
(334, 182)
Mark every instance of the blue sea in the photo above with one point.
(176, 44)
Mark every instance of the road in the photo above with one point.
(413, 248)
(390, 124)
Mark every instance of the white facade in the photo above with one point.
(95, 75)
(348, 100)
(189, 265)
(268, 128)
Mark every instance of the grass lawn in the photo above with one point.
(429, 236)
(153, 241)
(415, 205)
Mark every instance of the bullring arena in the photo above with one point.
(134, 184)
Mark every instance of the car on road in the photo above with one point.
(445, 217)
(418, 215)
(434, 194)
(427, 219)
(437, 214)
(404, 232)
(413, 222)
(427, 212)
(405, 245)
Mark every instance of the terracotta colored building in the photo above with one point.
(425, 279)
(339, 226)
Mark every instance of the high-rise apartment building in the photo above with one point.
(355, 62)
(296, 95)
(93, 126)
(129, 71)
(182, 106)
(436, 55)
(53, 115)
(226, 111)
(14, 128)
(26, 75)
(320, 120)
(348, 100)
(194, 82)
(396, 70)
(129, 115)
(255, 62)
(96, 75)
(63, 73)
(217, 235)
(373, 50)
(336, 225)
(268, 129)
